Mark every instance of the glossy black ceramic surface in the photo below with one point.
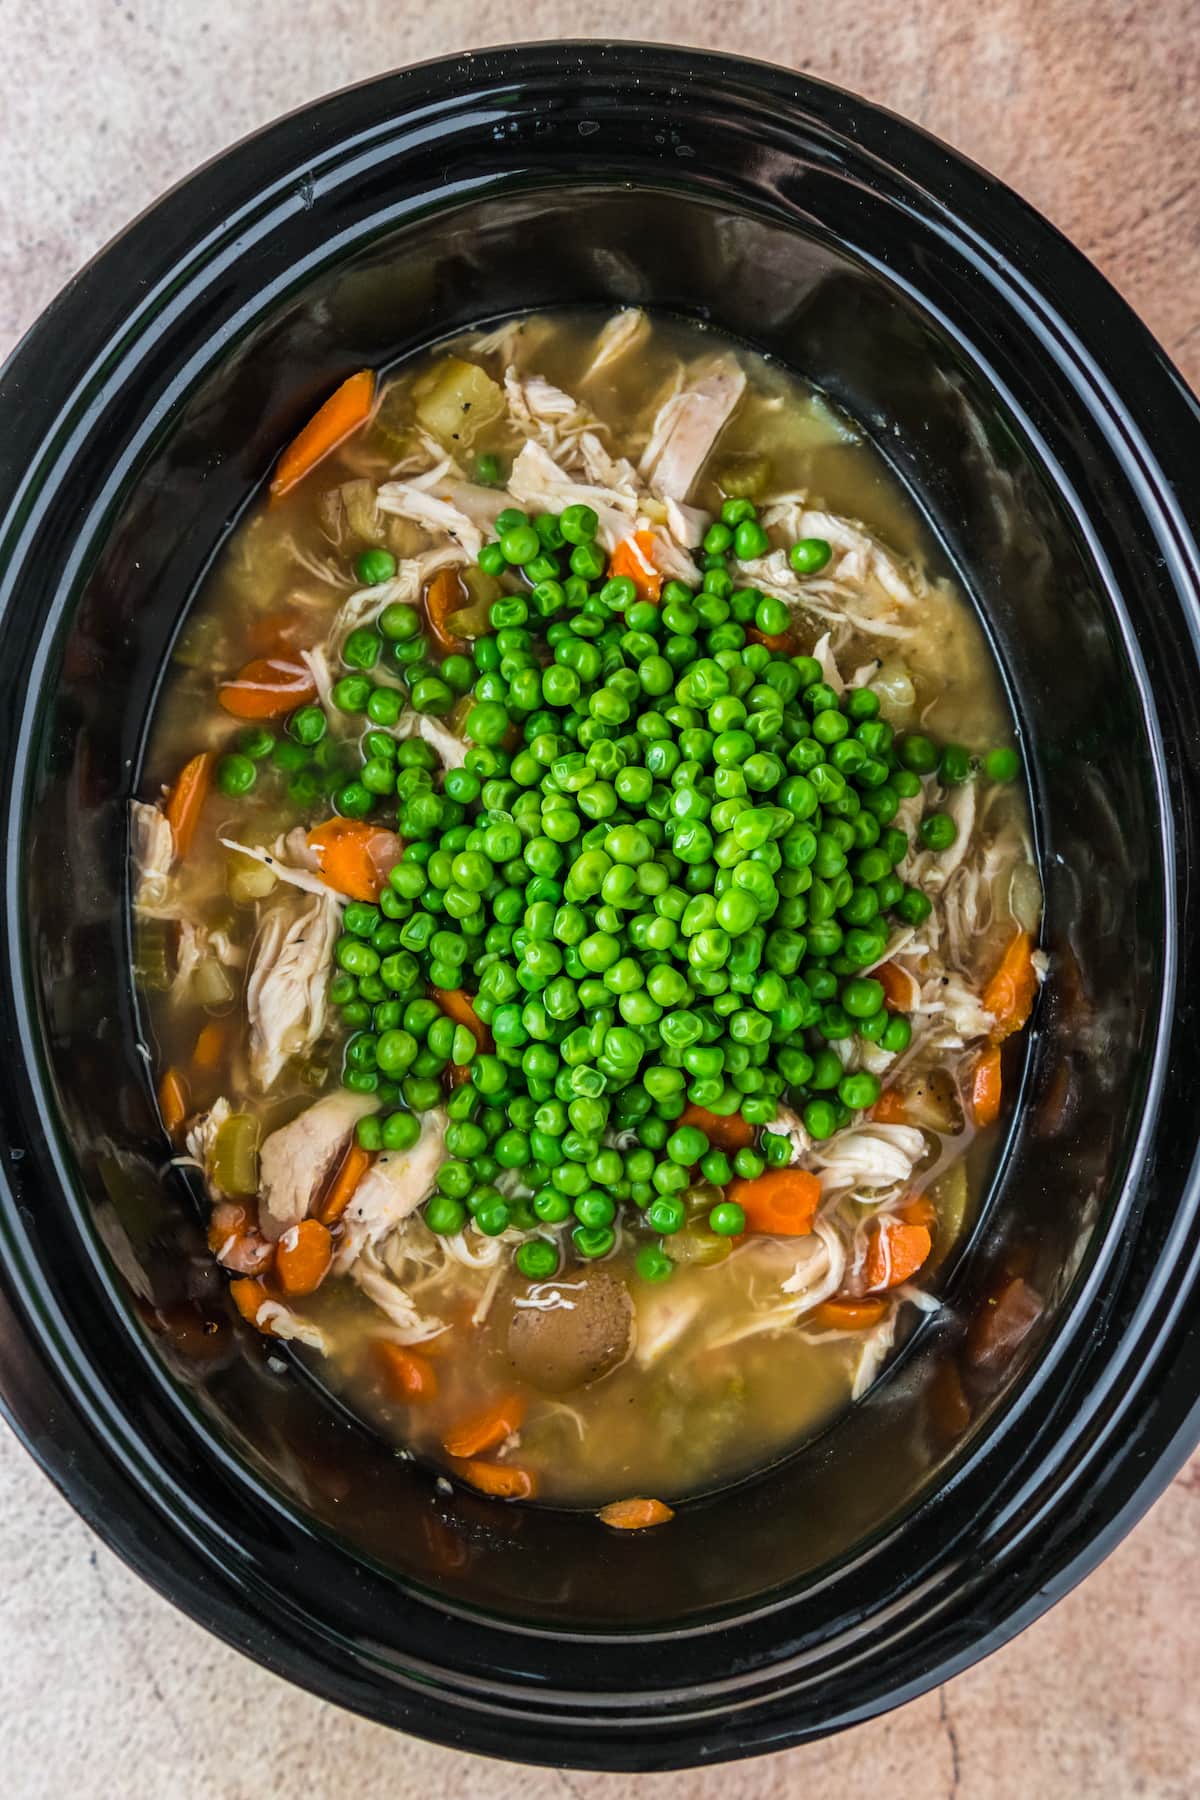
(1055, 452)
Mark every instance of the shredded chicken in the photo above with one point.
(452, 750)
(393, 1187)
(537, 482)
(202, 1134)
(409, 1326)
(153, 853)
(281, 1322)
(297, 1160)
(625, 331)
(285, 989)
(410, 500)
(688, 426)
(867, 1156)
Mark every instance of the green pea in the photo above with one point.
(820, 1119)
(445, 1215)
(810, 555)
(653, 1264)
(937, 831)
(537, 1259)
(727, 1219)
(578, 524)
(862, 998)
(256, 742)
(593, 1241)
(400, 1131)
(236, 774)
(858, 1091)
(954, 765)
(897, 1035)
(374, 566)
(1002, 765)
(361, 648)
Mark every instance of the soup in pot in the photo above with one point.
(582, 893)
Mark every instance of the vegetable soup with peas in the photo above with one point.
(582, 891)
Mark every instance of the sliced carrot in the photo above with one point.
(844, 1314)
(635, 1515)
(172, 1100)
(781, 1203)
(503, 1481)
(634, 559)
(897, 985)
(209, 1046)
(267, 688)
(779, 643)
(727, 1133)
(891, 1108)
(445, 594)
(487, 1429)
(918, 1211)
(248, 1295)
(347, 866)
(340, 1191)
(895, 1252)
(303, 1257)
(457, 1006)
(1009, 995)
(409, 1375)
(986, 1087)
(186, 800)
(348, 407)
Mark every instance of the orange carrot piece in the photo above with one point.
(634, 558)
(445, 594)
(303, 1257)
(172, 1100)
(340, 1191)
(918, 1211)
(344, 849)
(248, 1295)
(986, 1088)
(209, 1046)
(895, 1252)
(348, 407)
(779, 643)
(891, 1108)
(457, 1006)
(487, 1429)
(1009, 995)
(845, 1314)
(897, 986)
(781, 1203)
(731, 1133)
(267, 688)
(409, 1375)
(635, 1515)
(503, 1481)
(186, 800)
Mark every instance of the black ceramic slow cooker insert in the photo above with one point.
(1054, 452)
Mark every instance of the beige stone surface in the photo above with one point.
(1090, 110)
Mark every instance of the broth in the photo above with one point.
(582, 1381)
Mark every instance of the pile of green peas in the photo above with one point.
(662, 874)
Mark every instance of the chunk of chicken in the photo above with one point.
(278, 1320)
(285, 991)
(153, 852)
(306, 879)
(409, 500)
(393, 1187)
(296, 1161)
(538, 483)
(627, 330)
(202, 1133)
(452, 750)
(689, 424)
(868, 1156)
(409, 1326)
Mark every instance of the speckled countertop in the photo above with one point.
(1091, 111)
